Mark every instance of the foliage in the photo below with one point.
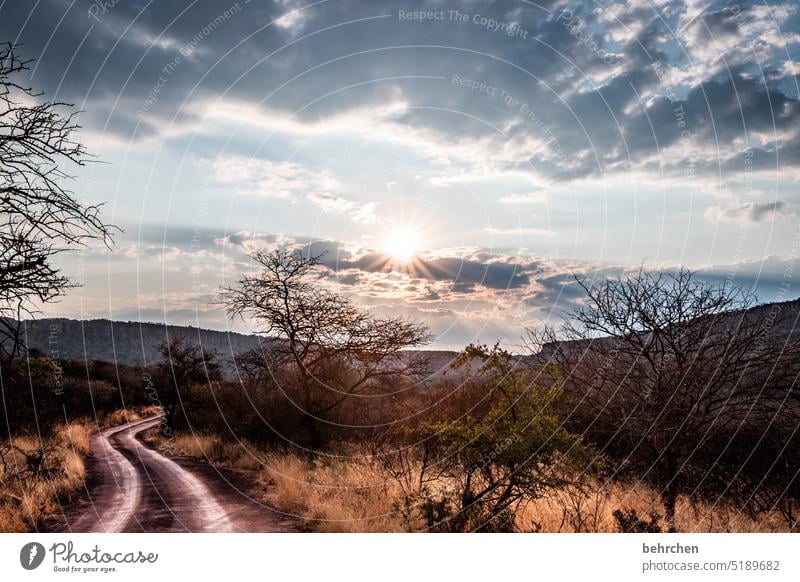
(515, 452)
(185, 368)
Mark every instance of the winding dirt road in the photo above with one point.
(132, 488)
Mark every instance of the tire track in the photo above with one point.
(136, 489)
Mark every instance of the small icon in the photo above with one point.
(31, 555)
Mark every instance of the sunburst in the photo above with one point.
(402, 245)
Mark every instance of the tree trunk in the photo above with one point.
(670, 499)
(311, 426)
(669, 494)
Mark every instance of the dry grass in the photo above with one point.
(355, 496)
(38, 475)
(590, 509)
(125, 415)
(334, 495)
(241, 455)
(312, 491)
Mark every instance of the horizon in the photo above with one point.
(426, 348)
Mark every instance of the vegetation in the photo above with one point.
(326, 352)
(678, 380)
(39, 218)
(356, 494)
(632, 432)
(645, 412)
(39, 475)
(497, 461)
(184, 368)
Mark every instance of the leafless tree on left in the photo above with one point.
(39, 217)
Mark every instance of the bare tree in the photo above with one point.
(183, 366)
(331, 349)
(39, 218)
(656, 366)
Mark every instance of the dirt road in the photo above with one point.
(132, 488)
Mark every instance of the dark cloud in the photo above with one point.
(138, 67)
(751, 212)
(465, 274)
(713, 26)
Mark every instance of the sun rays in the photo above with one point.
(402, 245)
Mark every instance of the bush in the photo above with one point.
(630, 522)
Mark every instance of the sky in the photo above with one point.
(459, 163)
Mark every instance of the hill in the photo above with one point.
(779, 319)
(134, 344)
(124, 342)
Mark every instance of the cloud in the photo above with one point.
(358, 213)
(528, 198)
(289, 180)
(517, 231)
(463, 294)
(162, 254)
(790, 69)
(315, 108)
(246, 242)
(269, 178)
(578, 97)
(750, 212)
(725, 37)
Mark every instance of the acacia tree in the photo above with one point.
(657, 367)
(516, 451)
(39, 218)
(329, 349)
(183, 366)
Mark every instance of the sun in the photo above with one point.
(402, 245)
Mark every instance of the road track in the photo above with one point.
(133, 488)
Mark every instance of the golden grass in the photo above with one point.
(355, 496)
(242, 455)
(38, 475)
(129, 414)
(590, 509)
(334, 495)
(292, 483)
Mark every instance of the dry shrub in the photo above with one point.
(709, 517)
(75, 437)
(586, 507)
(38, 475)
(195, 445)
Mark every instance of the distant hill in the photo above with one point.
(779, 319)
(134, 344)
(125, 342)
